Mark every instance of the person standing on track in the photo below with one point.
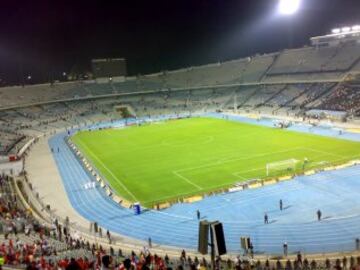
(319, 214)
(198, 214)
(285, 249)
(266, 219)
(281, 205)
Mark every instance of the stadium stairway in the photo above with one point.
(334, 192)
(304, 92)
(282, 89)
(263, 76)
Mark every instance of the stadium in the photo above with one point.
(260, 156)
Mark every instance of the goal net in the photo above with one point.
(278, 167)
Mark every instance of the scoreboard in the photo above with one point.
(109, 67)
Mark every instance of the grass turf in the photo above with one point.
(172, 159)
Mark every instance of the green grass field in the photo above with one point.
(167, 160)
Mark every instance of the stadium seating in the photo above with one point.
(11, 142)
(24, 242)
(343, 98)
(308, 64)
(316, 59)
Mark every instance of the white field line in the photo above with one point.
(220, 163)
(110, 172)
(187, 180)
(236, 174)
(236, 159)
(323, 152)
(169, 145)
(184, 194)
(239, 176)
(207, 139)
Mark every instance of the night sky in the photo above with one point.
(45, 38)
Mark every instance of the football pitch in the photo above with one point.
(173, 159)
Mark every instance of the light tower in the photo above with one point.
(288, 8)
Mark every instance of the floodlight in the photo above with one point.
(336, 31)
(345, 29)
(288, 7)
(356, 28)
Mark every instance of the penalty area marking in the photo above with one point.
(237, 174)
(323, 152)
(187, 180)
(221, 162)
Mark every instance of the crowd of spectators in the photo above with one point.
(25, 243)
(344, 98)
(8, 140)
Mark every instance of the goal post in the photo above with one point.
(288, 165)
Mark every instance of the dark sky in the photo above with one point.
(44, 38)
